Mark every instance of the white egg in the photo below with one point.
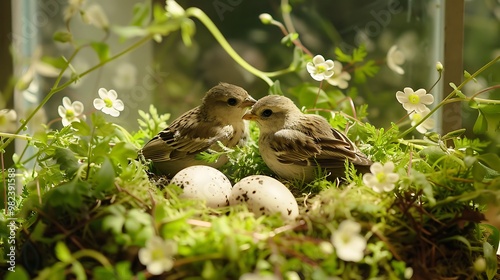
(264, 195)
(204, 183)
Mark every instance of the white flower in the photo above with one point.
(125, 76)
(340, 78)
(428, 124)
(158, 254)
(319, 68)
(8, 119)
(70, 112)
(348, 243)
(108, 103)
(173, 9)
(395, 58)
(382, 177)
(414, 100)
(72, 8)
(94, 15)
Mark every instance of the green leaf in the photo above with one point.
(491, 260)
(288, 39)
(481, 124)
(359, 54)
(62, 36)
(491, 160)
(341, 56)
(122, 152)
(67, 161)
(63, 253)
(70, 194)
(458, 238)
(104, 178)
(141, 14)
(458, 92)
(369, 69)
(101, 49)
(18, 274)
(453, 134)
(81, 128)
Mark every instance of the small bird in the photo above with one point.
(217, 119)
(295, 145)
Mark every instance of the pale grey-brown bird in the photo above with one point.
(217, 119)
(293, 144)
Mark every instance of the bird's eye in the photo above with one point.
(266, 113)
(232, 101)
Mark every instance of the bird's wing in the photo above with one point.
(293, 147)
(185, 136)
(316, 144)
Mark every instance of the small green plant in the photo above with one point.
(89, 210)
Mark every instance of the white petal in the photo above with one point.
(310, 68)
(318, 77)
(421, 92)
(112, 94)
(392, 177)
(66, 102)
(65, 122)
(318, 59)
(99, 104)
(61, 111)
(401, 97)
(408, 90)
(376, 168)
(103, 93)
(427, 99)
(155, 268)
(144, 256)
(389, 167)
(329, 64)
(118, 105)
(78, 107)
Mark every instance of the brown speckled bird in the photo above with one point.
(294, 144)
(218, 118)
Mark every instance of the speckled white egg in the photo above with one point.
(204, 183)
(264, 195)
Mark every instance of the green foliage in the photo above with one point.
(90, 206)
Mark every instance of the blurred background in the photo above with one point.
(174, 77)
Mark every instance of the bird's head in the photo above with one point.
(227, 100)
(273, 112)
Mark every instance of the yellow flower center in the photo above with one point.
(3, 120)
(417, 117)
(70, 113)
(321, 68)
(414, 99)
(157, 254)
(108, 102)
(381, 177)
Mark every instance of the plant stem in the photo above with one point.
(200, 15)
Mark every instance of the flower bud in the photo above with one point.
(439, 67)
(266, 18)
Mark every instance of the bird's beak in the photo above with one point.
(249, 116)
(248, 102)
